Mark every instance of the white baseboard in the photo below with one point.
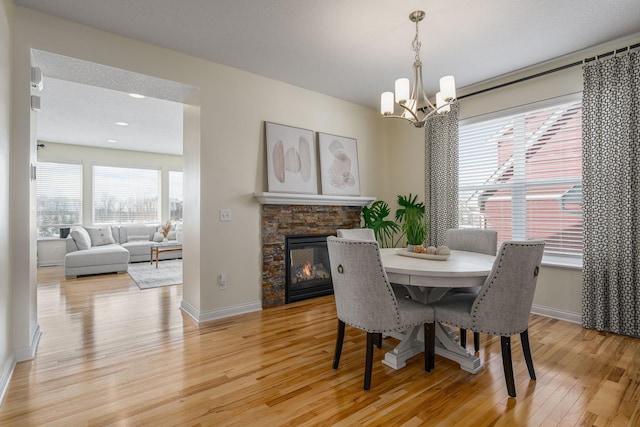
(219, 313)
(5, 377)
(554, 313)
(28, 353)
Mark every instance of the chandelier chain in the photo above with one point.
(416, 43)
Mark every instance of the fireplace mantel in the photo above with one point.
(311, 199)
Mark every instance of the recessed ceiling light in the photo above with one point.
(136, 95)
(122, 123)
(112, 140)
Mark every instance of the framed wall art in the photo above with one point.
(338, 165)
(291, 159)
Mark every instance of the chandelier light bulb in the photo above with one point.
(402, 90)
(448, 88)
(441, 104)
(386, 103)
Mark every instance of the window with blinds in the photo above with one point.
(124, 195)
(59, 197)
(175, 195)
(521, 175)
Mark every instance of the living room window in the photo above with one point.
(125, 195)
(175, 196)
(59, 195)
(521, 174)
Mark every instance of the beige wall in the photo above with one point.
(90, 156)
(229, 160)
(6, 345)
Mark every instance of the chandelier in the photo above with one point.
(408, 99)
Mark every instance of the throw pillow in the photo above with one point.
(81, 237)
(171, 235)
(101, 236)
(157, 237)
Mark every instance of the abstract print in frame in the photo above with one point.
(338, 165)
(291, 159)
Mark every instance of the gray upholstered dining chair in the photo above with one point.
(503, 305)
(365, 300)
(368, 234)
(357, 233)
(483, 241)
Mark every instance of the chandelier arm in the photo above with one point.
(416, 123)
(411, 112)
(435, 110)
(424, 94)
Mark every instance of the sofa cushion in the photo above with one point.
(135, 233)
(99, 255)
(101, 236)
(81, 237)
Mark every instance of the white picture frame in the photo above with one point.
(339, 174)
(291, 159)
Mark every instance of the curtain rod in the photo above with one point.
(553, 70)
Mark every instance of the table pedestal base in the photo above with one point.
(411, 343)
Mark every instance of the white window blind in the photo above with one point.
(124, 195)
(175, 195)
(59, 197)
(521, 175)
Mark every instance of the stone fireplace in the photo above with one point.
(319, 215)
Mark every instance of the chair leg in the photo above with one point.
(463, 338)
(339, 341)
(526, 349)
(508, 365)
(372, 338)
(429, 346)
(379, 340)
(476, 341)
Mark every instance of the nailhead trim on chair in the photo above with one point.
(389, 289)
(485, 292)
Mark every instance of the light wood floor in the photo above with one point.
(111, 354)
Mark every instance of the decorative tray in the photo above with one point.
(405, 252)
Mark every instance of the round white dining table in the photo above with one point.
(427, 280)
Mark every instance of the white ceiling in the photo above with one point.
(355, 49)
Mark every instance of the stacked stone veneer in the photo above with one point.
(279, 221)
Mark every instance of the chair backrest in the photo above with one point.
(364, 297)
(357, 233)
(504, 302)
(478, 240)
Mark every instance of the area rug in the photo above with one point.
(147, 276)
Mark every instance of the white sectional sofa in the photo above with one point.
(109, 249)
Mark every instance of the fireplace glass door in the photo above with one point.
(308, 273)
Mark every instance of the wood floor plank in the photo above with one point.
(111, 354)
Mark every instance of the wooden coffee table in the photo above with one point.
(157, 248)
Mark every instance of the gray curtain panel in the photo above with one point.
(611, 194)
(441, 174)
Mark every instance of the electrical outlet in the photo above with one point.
(225, 215)
(222, 281)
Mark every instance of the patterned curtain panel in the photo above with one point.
(441, 174)
(611, 195)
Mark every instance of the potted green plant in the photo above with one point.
(411, 217)
(375, 218)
